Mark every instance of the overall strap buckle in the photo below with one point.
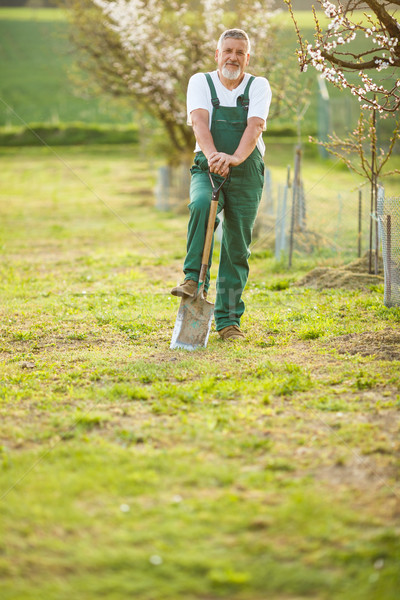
(214, 98)
(244, 98)
(244, 102)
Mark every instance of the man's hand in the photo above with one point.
(220, 163)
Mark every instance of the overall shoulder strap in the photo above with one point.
(245, 97)
(214, 97)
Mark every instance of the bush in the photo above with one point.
(68, 134)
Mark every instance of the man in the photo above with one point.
(227, 109)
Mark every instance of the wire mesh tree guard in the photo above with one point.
(389, 230)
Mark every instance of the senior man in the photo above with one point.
(227, 109)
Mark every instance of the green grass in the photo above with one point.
(127, 470)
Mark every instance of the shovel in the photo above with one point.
(193, 323)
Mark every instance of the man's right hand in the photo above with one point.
(220, 163)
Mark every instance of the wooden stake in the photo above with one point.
(359, 222)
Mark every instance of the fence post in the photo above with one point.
(278, 224)
(359, 222)
(296, 187)
(162, 188)
(302, 208)
(284, 210)
(324, 119)
(267, 193)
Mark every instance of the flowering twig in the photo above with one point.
(336, 51)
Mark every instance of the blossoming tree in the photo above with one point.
(146, 51)
(337, 52)
(360, 42)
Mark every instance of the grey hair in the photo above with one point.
(238, 34)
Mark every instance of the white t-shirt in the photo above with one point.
(199, 96)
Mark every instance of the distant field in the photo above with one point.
(41, 85)
(54, 14)
(32, 14)
(38, 84)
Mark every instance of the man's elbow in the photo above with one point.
(259, 127)
(256, 126)
(260, 130)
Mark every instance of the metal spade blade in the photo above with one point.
(193, 323)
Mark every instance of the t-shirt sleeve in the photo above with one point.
(198, 94)
(260, 99)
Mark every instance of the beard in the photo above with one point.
(230, 74)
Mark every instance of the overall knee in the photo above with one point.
(200, 205)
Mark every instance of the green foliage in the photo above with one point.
(68, 134)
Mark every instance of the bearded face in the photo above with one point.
(232, 58)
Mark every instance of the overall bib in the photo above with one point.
(239, 198)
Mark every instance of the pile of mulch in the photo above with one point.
(353, 276)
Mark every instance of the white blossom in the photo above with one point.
(160, 56)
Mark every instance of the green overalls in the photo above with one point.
(239, 198)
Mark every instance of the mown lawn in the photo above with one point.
(248, 471)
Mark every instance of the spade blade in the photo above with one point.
(193, 323)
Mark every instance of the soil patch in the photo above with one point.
(383, 345)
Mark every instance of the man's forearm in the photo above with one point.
(204, 138)
(247, 143)
(220, 162)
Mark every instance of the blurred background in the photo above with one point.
(49, 95)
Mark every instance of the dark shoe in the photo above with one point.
(232, 332)
(187, 289)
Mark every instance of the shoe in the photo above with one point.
(187, 289)
(232, 332)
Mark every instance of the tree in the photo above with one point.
(336, 53)
(370, 164)
(146, 51)
(338, 50)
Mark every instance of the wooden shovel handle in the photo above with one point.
(210, 228)
(208, 240)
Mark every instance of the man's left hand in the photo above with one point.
(220, 163)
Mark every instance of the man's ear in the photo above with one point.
(248, 59)
(216, 55)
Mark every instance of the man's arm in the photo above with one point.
(201, 130)
(219, 162)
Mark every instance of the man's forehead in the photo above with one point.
(234, 43)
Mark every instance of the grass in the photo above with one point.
(268, 469)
